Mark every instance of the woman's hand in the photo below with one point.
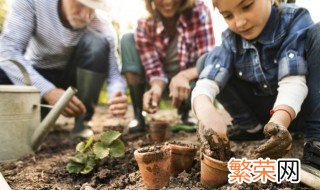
(118, 105)
(152, 97)
(179, 89)
(74, 108)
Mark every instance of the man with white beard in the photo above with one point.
(63, 43)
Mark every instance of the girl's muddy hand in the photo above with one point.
(205, 145)
(279, 143)
(219, 145)
(212, 144)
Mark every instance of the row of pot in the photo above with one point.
(158, 163)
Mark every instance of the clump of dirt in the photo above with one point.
(214, 145)
(153, 153)
(189, 145)
(150, 149)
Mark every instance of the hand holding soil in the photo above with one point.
(214, 145)
(179, 89)
(279, 143)
(151, 98)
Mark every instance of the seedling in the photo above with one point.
(89, 153)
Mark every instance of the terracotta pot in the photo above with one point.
(214, 173)
(154, 166)
(182, 157)
(158, 131)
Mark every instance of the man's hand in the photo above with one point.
(179, 89)
(74, 108)
(279, 143)
(152, 97)
(118, 104)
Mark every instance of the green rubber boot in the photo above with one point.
(138, 123)
(89, 85)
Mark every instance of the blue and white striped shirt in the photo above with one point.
(34, 35)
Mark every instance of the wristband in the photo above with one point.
(275, 110)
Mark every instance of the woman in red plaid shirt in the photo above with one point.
(163, 52)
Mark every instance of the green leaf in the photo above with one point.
(84, 145)
(79, 158)
(91, 163)
(100, 150)
(117, 148)
(73, 167)
(108, 137)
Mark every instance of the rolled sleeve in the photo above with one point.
(292, 52)
(218, 66)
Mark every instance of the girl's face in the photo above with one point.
(245, 17)
(167, 8)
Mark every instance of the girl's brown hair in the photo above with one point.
(273, 2)
(185, 5)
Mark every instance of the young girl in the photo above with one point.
(266, 72)
(163, 52)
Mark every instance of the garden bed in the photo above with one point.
(47, 168)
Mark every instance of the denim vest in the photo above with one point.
(277, 52)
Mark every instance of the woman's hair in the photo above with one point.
(185, 5)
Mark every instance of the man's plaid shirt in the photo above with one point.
(195, 37)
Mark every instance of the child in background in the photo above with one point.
(266, 75)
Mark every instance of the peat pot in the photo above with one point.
(20, 129)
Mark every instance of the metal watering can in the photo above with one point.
(20, 129)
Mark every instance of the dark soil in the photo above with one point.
(46, 169)
(182, 144)
(153, 153)
(150, 149)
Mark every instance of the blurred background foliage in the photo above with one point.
(3, 12)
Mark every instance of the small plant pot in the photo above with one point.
(182, 157)
(214, 173)
(158, 131)
(154, 165)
